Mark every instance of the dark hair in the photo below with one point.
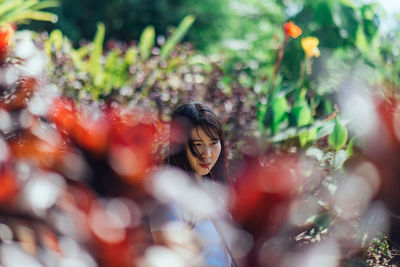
(184, 119)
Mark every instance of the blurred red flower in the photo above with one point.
(125, 138)
(50, 240)
(382, 148)
(133, 142)
(292, 30)
(26, 86)
(8, 185)
(264, 193)
(44, 154)
(6, 33)
(91, 131)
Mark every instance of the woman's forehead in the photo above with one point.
(198, 133)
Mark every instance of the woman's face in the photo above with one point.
(208, 148)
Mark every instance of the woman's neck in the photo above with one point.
(198, 177)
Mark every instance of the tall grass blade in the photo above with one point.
(6, 6)
(146, 42)
(46, 4)
(177, 36)
(95, 65)
(18, 11)
(34, 15)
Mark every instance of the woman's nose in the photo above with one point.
(206, 152)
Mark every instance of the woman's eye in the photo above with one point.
(198, 144)
(214, 142)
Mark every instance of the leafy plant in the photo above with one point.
(176, 36)
(277, 113)
(378, 252)
(111, 70)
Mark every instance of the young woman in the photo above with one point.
(197, 147)
(197, 143)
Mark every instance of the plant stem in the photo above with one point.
(278, 63)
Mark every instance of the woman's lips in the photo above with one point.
(205, 165)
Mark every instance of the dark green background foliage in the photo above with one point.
(126, 19)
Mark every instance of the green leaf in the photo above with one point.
(350, 147)
(301, 112)
(261, 113)
(338, 138)
(361, 41)
(370, 21)
(35, 15)
(46, 4)
(111, 71)
(9, 5)
(78, 57)
(130, 56)
(279, 108)
(122, 73)
(95, 66)
(307, 137)
(146, 42)
(56, 38)
(302, 115)
(177, 36)
(328, 108)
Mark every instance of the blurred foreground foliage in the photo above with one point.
(20, 11)
(78, 116)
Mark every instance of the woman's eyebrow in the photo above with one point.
(199, 140)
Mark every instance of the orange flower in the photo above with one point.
(292, 29)
(6, 33)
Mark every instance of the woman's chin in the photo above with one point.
(203, 172)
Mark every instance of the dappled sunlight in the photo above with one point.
(158, 256)
(173, 186)
(326, 253)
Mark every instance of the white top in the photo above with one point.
(213, 248)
